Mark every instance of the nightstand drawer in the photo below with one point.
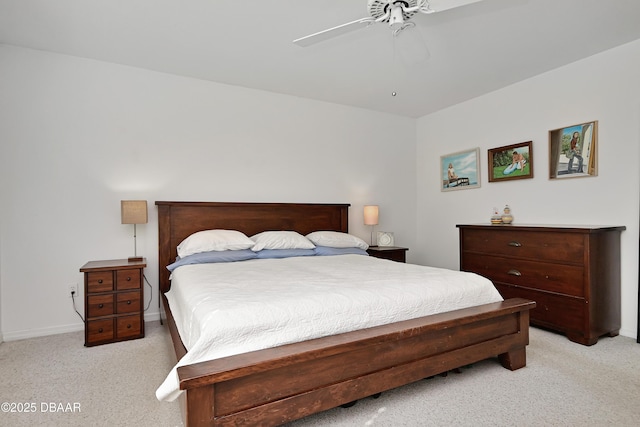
(99, 305)
(99, 330)
(393, 253)
(128, 302)
(128, 279)
(128, 326)
(100, 281)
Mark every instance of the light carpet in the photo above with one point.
(563, 384)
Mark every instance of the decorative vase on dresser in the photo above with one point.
(572, 272)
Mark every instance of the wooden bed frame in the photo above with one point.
(281, 384)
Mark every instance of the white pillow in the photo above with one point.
(336, 239)
(213, 240)
(280, 240)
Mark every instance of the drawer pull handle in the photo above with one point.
(129, 302)
(514, 272)
(99, 280)
(128, 279)
(100, 305)
(100, 330)
(515, 244)
(128, 326)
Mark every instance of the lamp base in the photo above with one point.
(134, 259)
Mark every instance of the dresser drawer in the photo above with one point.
(100, 281)
(99, 305)
(558, 312)
(128, 279)
(128, 302)
(99, 330)
(564, 279)
(129, 326)
(547, 246)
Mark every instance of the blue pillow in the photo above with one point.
(213, 256)
(284, 253)
(326, 250)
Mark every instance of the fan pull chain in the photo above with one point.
(395, 66)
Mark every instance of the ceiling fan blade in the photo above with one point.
(440, 5)
(432, 5)
(332, 32)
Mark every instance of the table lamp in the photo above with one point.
(134, 212)
(371, 217)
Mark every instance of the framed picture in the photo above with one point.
(511, 162)
(460, 171)
(573, 151)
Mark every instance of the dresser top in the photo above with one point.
(551, 227)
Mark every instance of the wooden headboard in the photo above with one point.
(178, 220)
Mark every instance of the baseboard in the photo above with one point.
(150, 317)
(629, 333)
(54, 330)
(42, 332)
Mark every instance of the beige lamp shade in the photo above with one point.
(371, 215)
(133, 211)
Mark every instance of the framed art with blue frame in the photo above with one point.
(511, 162)
(460, 171)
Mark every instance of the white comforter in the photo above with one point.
(231, 308)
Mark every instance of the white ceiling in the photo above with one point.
(449, 57)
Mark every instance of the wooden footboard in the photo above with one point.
(281, 384)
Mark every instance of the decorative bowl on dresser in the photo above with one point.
(113, 301)
(572, 272)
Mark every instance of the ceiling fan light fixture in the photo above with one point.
(396, 20)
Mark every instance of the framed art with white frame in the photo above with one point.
(460, 171)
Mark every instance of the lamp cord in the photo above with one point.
(73, 302)
(150, 293)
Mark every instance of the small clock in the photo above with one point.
(385, 238)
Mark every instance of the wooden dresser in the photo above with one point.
(571, 272)
(113, 301)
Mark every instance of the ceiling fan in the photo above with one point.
(396, 12)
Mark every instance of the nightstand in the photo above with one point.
(113, 301)
(394, 253)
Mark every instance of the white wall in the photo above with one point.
(1, 335)
(77, 136)
(604, 88)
